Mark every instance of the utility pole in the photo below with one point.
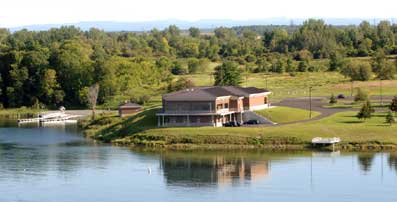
(381, 97)
(310, 102)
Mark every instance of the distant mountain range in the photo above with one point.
(202, 24)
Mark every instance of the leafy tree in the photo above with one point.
(227, 74)
(390, 118)
(357, 71)
(336, 62)
(290, 65)
(51, 88)
(383, 68)
(302, 66)
(180, 84)
(194, 32)
(193, 65)
(365, 111)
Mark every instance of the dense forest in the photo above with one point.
(56, 67)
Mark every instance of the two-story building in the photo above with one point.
(210, 106)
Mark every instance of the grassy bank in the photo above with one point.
(16, 112)
(140, 130)
(286, 114)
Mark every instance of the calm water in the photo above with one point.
(57, 164)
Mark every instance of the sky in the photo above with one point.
(15, 13)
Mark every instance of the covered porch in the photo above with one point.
(189, 120)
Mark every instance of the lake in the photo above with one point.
(58, 164)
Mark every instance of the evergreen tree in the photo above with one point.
(365, 111)
(227, 74)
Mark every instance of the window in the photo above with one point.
(265, 100)
(226, 106)
(219, 106)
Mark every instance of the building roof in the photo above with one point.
(130, 105)
(211, 93)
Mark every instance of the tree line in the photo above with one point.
(57, 67)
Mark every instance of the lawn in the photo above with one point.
(344, 125)
(141, 129)
(286, 114)
(285, 85)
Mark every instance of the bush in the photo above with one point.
(180, 84)
(302, 66)
(332, 99)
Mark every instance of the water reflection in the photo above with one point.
(366, 160)
(193, 170)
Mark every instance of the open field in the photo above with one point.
(286, 114)
(323, 83)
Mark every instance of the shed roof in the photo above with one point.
(130, 105)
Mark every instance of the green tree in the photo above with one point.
(180, 84)
(194, 32)
(227, 74)
(302, 66)
(336, 61)
(365, 111)
(357, 71)
(193, 65)
(383, 69)
(74, 68)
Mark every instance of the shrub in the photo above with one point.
(332, 99)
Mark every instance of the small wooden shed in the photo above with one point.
(129, 108)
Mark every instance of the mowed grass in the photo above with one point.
(285, 85)
(344, 125)
(141, 129)
(286, 114)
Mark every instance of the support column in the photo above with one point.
(188, 120)
(158, 121)
(212, 121)
(163, 120)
